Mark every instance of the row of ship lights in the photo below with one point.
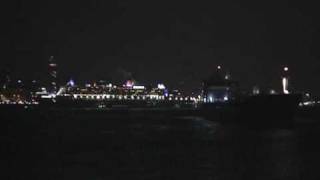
(129, 84)
(135, 97)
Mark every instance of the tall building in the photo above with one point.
(52, 79)
(5, 78)
(285, 80)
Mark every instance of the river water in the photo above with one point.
(173, 148)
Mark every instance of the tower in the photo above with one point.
(285, 80)
(52, 69)
(5, 79)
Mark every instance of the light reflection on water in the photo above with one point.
(184, 148)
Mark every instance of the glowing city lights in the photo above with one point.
(129, 84)
(161, 86)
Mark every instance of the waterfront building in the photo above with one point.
(219, 89)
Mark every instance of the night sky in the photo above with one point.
(175, 42)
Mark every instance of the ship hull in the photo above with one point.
(256, 111)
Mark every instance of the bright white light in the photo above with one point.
(71, 83)
(50, 96)
(219, 67)
(256, 90)
(272, 91)
(308, 103)
(129, 84)
(138, 87)
(161, 86)
(53, 65)
(225, 98)
(285, 85)
(286, 69)
(61, 91)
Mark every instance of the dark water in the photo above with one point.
(172, 148)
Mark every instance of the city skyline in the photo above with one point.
(172, 42)
(51, 79)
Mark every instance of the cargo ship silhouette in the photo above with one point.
(222, 101)
(222, 98)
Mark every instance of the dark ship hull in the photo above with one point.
(68, 102)
(256, 111)
(311, 112)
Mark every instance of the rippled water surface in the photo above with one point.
(173, 148)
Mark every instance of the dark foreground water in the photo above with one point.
(172, 148)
